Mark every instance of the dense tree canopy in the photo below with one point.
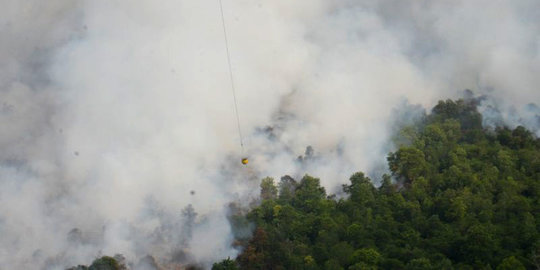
(459, 197)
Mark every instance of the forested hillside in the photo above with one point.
(459, 197)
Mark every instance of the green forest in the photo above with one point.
(459, 197)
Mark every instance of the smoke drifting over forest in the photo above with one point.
(118, 115)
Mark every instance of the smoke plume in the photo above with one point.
(118, 127)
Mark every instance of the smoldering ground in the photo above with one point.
(113, 111)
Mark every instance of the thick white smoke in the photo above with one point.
(117, 115)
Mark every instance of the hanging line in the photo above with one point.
(231, 76)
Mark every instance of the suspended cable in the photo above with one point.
(231, 76)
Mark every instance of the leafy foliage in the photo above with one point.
(105, 263)
(461, 197)
(227, 264)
